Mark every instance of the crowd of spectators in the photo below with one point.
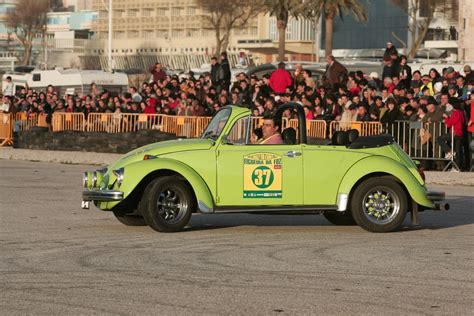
(398, 93)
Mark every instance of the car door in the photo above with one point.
(257, 175)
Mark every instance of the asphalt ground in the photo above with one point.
(59, 259)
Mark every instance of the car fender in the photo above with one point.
(135, 172)
(381, 164)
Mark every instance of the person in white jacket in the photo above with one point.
(8, 89)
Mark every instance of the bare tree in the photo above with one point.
(421, 13)
(27, 20)
(223, 16)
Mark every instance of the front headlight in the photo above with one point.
(119, 173)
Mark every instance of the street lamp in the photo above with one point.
(109, 50)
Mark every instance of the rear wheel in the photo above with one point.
(340, 218)
(379, 204)
(168, 204)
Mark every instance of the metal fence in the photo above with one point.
(418, 140)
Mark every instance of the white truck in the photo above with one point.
(70, 81)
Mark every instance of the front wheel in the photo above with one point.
(379, 205)
(168, 204)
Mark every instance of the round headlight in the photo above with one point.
(85, 179)
(94, 179)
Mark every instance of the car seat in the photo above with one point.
(289, 136)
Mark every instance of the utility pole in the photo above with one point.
(169, 36)
(110, 37)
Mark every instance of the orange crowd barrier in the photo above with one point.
(187, 126)
(6, 129)
(25, 121)
(68, 122)
(364, 128)
(122, 122)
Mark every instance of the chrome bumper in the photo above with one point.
(102, 195)
(438, 200)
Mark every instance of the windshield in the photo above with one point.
(216, 125)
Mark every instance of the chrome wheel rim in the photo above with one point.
(381, 205)
(171, 205)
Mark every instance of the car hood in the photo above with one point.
(160, 148)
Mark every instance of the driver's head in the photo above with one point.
(270, 127)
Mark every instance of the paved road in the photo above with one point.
(57, 259)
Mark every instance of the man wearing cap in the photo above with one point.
(280, 79)
(434, 114)
(426, 80)
(390, 49)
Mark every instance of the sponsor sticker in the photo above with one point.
(262, 176)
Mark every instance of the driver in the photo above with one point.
(271, 136)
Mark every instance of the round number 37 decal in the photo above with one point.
(262, 176)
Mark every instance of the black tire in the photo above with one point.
(379, 205)
(168, 204)
(129, 219)
(340, 218)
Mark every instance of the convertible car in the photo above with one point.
(368, 181)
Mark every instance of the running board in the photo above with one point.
(291, 209)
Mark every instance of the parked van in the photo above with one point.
(70, 81)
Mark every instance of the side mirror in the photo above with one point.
(225, 140)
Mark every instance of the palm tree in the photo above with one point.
(332, 8)
(282, 10)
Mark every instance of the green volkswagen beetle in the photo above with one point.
(368, 181)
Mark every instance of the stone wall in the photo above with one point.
(91, 142)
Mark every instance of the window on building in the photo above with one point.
(148, 34)
(254, 31)
(161, 12)
(177, 33)
(132, 34)
(191, 11)
(119, 34)
(118, 14)
(148, 12)
(176, 11)
(133, 13)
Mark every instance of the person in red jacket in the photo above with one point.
(280, 79)
(456, 124)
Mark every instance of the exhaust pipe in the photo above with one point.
(441, 207)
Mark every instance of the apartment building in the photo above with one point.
(160, 26)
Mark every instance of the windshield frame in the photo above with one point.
(213, 131)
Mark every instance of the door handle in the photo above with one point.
(293, 154)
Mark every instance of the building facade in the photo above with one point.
(159, 26)
(466, 30)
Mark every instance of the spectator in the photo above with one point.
(455, 122)
(404, 72)
(8, 89)
(335, 73)
(434, 112)
(390, 70)
(158, 74)
(225, 83)
(217, 73)
(390, 49)
(280, 79)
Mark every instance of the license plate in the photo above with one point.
(85, 205)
